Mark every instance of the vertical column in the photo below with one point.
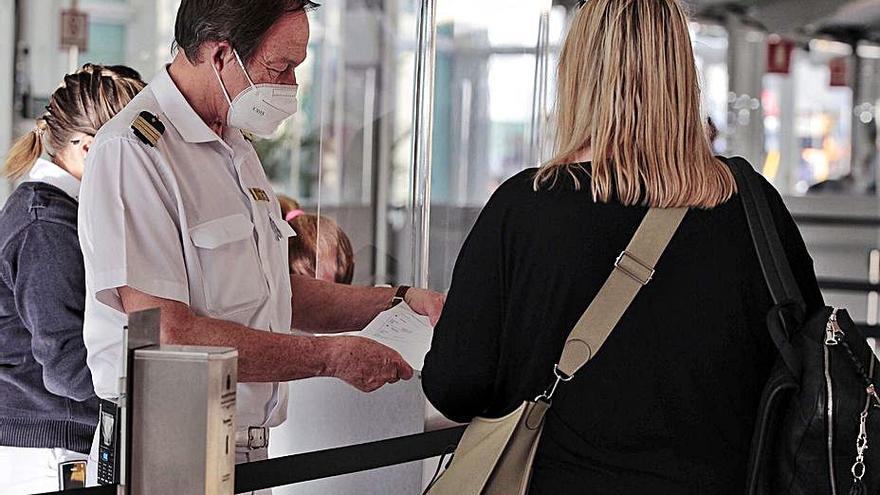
(865, 93)
(423, 122)
(7, 81)
(387, 85)
(789, 152)
(538, 139)
(746, 64)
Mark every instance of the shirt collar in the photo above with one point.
(179, 112)
(48, 173)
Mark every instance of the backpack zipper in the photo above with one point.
(833, 334)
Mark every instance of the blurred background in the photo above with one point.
(792, 85)
(414, 111)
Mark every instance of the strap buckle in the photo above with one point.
(258, 437)
(547, 396)
(252, 438)
(634, 268)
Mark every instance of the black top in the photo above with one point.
(669, 403)
(46, 394)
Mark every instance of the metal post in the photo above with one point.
(874, 278)
(538, 136)
(179, 412)
(423, 125)
(464, 143)
(858, 129)
(8, 32)
(746, 59)
(369, 131)
(387, 85)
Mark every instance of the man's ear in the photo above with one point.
(217, 53)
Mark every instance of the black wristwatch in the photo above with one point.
(399, 295)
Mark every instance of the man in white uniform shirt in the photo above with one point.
(176, 213)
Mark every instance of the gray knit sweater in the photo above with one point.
(46, 395)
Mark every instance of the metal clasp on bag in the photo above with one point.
(547, 396)
(632, 269)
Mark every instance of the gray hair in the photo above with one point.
(242, 23)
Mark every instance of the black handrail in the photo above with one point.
(344, 460)
(836, 220)
(869, 331)
(97, 490)
(309, 466)
(847, 285)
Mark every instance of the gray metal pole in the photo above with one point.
(423, 124)
(7, 67)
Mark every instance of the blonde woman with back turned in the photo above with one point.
(669, 403)
(48, 407)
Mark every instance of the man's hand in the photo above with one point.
(365, 364)
(426, 303)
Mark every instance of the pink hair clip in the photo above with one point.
(293, 214)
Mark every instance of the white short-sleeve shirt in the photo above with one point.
(192, 219)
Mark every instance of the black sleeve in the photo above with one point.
(460, 370)
(49, 286)
(796, 250)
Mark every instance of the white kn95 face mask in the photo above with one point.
(261, 108)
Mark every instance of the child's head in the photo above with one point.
(320, 249)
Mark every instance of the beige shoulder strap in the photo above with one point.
(633, 270)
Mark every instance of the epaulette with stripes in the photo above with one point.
(148, 128)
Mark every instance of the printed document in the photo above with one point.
(403, 330)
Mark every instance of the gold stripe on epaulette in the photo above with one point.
(145, 127)
(147, 130)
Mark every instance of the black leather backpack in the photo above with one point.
(818, 426)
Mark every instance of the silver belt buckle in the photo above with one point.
(258, 437)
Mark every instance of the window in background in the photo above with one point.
(107, 43)
(710, 51)
(823, 109)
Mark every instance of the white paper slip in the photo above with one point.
(403, 330)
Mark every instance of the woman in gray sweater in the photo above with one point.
(48, 408)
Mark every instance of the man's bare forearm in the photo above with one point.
(262, 356)
(320, 306)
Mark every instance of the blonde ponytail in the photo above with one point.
(24, 153)
(85, 101)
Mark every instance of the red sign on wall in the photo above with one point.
(839, 72)
(779, 53)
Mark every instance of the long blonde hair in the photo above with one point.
(628, 90)
(85, 101)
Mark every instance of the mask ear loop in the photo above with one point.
(241, 64)
(222, 86)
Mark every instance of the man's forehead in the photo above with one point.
(288, 38)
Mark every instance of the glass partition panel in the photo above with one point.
(346, 154)
(490, 112)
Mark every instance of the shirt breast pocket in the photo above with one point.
(231, 272)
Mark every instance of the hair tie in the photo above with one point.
(293, 214)
(40, 127)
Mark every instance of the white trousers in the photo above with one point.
(28, 471)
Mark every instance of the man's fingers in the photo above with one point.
(404, 370)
